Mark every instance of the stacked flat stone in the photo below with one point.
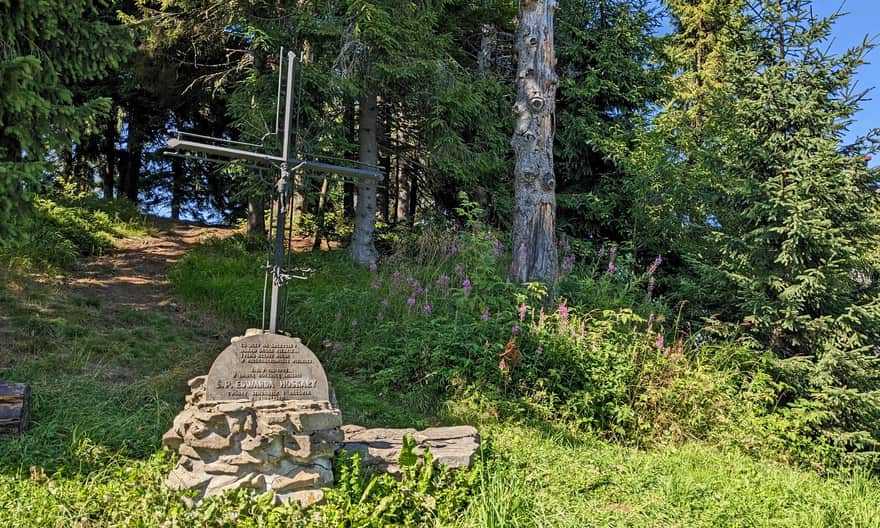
(454, 447)
(285, 447)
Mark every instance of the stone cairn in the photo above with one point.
(264, 418)
(282, 446)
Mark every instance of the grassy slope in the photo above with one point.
(553, 480)
(107, 382)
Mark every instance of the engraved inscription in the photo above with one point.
(267, 367)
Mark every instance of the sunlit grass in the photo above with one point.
(107, 382)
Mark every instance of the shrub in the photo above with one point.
(57, 231)
(438, 319)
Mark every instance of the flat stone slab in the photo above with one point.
(454, 447)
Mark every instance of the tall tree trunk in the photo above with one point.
(534, 224)
(319, 214)
(133, 170)
(413, 196)
(256, 215)
(348, 118)
(401, 188)
(110, 158)
(487, 44)
(177, 184)
(401, 173)
(298, 201)
(363, 250)
(384, 132)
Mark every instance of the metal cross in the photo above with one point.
(236, 150)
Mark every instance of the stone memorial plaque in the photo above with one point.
(267, 367)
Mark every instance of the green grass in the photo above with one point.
(54, 232)
(553, 480)
(110, 375)
(107, 382)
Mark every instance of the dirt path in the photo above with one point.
(133, 274)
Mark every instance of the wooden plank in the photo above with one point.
(13, 392)
(10, 411)
(15, 406)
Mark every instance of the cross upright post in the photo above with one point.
(283, 190)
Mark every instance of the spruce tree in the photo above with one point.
(609, 76)
(797, 221)
(48, 47)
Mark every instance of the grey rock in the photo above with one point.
(241, 459)
(181, 479)
(222, 468)
(212, 441)
(317, 420)
(197, 383)
(305, 498)
(454, 447)
(187, 451)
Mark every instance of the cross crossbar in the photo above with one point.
(234, 153)
(223, 148)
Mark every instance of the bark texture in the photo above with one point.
(319, 214)
(177, 187)
(534, 225)
(256, 216)
(110, 160)
(363, 250)
(132, 180)
(487, 45)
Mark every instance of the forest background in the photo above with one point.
(717, 216)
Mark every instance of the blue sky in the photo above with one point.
(850, 30)
(859, 20)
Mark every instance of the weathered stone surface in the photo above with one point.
(454, 447)
(267, 367)
(306, 478)
(181, 478)
(197, 389)
(445, 433)
(184, 450)
(211, 441)
(317, 420)
(221, 468)
(171, 440)
(305, 498)
(240, 459)
(234, 407)
(377, 436)
(261, 445)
